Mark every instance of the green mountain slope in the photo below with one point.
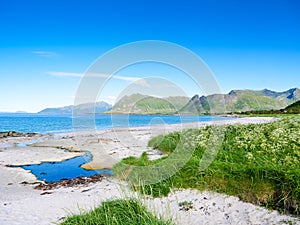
(241, 100)
(234, 101)
(293, 108)
(143, 104)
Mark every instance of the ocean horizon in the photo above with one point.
(59, 123)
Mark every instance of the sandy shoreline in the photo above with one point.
(22, 204)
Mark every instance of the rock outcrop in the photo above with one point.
(16, 134)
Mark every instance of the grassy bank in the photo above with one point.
(258, 163)
(117, 212)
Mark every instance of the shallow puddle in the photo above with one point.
(68, 169)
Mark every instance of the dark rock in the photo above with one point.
(232, 92)
(195, 98)
(17, 134)
(24, 182)
(46, 193)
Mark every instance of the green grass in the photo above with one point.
(277, 115)
(117, 212)
(258, 163)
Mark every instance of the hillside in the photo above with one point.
(290, 109)
(98, 107)
(143, 104)
(241, 101)
(234, 101)
(293, 108)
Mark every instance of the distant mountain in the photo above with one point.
(20, 112)
(98, 107)
(241, 100)
(144, 104)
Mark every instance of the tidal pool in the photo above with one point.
(68, 169)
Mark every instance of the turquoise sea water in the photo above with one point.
(64, 123)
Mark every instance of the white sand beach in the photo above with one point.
(20, 203)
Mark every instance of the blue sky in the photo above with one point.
(46, 45)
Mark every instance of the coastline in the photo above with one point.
(20, 203)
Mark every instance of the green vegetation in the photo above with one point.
(248, 100)
(260, 163)
(234, 101)
(291, 109)
(143, 104)
(117, 212)
(295, 107)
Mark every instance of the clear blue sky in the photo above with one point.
(45, 44)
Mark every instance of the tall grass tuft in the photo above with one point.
(117, 212)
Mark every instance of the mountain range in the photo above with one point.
(87, 108)
(234, 101)
(241, 100)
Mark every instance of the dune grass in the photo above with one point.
(117, 212)
(258, 163)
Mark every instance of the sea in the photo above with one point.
(71, 168)
(42, 123)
